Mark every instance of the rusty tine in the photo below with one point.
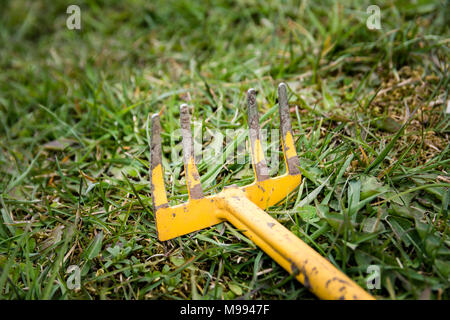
(159, 197)
(257, 153)
(244, 206)
(287, 141)
(192, 177)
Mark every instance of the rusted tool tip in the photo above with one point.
(185, 121)
(251, 97)
(282, 96)
(184, 108)
(285, 120)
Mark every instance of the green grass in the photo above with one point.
(370, 129)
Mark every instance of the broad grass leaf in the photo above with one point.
(237, 290)
(308, 213)
(177, 261)
(95, 246)
(443, 267)
(388, 124)
(371, 186)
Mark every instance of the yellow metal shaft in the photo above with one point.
(294, 255)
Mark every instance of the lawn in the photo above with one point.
(369, 116)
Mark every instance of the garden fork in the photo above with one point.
(243, 206)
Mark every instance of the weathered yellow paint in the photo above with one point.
(201, 213)
(294, 255)
(258, 152)
(269, 192)
(159, 193)
(197, 214)
(290, 146)
(192, 173)
(188, 217)
(242, 207)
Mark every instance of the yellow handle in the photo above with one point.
(310, 268)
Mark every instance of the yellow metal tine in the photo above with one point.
(287, 138)
(256, 150)
(159, 197)
(190, 169)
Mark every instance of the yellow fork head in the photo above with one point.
(200, 211)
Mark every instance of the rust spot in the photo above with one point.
(173, 214)
(196, 191)
(262, 172)
(294, 269)
(293, 165)
(270, 224)
(342, 297)
(307, 283)
(335, 279)
(342, 289)
(251, 96)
